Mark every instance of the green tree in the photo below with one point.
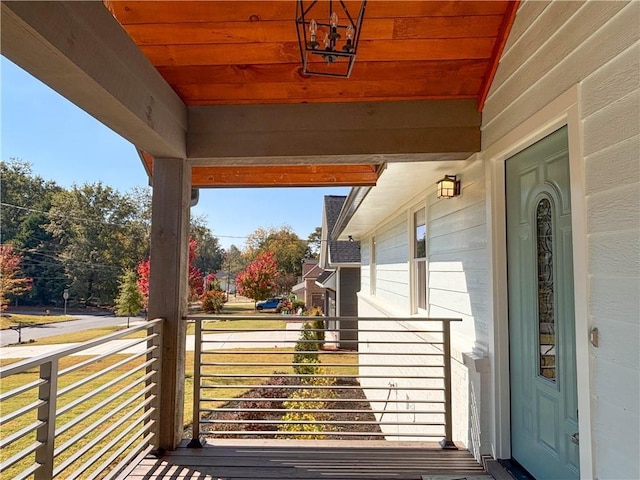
(314, 240)
(21, 193)
(209, 256)
(100, 235)
(233, 262)
(26, 199)
(129, 299)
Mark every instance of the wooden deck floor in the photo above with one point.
(240, 460)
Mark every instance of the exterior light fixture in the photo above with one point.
(448, 187)
(328, 47)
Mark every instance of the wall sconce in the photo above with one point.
(448, 187)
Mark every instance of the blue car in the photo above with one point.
(274, 302)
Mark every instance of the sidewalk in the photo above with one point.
(215, 341)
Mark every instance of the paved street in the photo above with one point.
(84, 322)
(231, 340)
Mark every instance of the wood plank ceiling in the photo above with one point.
(246, 52)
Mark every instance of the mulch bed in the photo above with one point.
(271, 390)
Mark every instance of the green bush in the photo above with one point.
(306, 350)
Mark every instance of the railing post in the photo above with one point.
(46, 434)
(196, 440)
(447, 441)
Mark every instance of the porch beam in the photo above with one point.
(80, 51)
(333, 132)
(168, 288)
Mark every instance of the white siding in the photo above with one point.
(392, 267)
(552, 47)
(458, 283)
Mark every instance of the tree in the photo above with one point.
(100, 234)
(213, 297)
(12, 283)
(209, 254)
(129, 300)
(196, 278)
(258, 280)
(314, 240)
(288, 249)
(233, 262)
(143, 282)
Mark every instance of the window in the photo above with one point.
(372, 266)
(420, 258)
(546, 295)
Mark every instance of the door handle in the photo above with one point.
(575, 438)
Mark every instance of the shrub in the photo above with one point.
(213, 300)
(306, 350)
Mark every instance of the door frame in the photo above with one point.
(564, 110)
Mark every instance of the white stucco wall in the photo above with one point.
(594, 47)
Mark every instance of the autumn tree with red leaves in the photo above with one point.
(12, 283)
(196, 278)
(143, 282)
(258, 280)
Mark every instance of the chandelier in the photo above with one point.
(328, 37)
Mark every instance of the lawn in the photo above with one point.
(13, 319)
(226, 387)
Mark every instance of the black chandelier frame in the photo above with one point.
(336, 62)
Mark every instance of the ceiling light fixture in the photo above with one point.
(327, 47)
(448, 187)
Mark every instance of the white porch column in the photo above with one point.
(168, 287)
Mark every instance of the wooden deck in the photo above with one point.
(378, 460)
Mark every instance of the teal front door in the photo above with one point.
(544, 406)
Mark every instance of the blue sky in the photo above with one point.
(65, 144)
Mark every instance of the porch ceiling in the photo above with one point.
(219, 83)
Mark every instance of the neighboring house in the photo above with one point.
(307, 289)
(534, 268)
(341, 279)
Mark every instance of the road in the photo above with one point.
(84, 322)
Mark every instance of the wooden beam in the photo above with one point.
(80, 50)
(306, 131)
(286, 176)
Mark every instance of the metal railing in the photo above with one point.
(341, 378)
(85, 411)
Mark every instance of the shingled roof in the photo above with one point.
(340, 251)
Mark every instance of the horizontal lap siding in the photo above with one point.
(392, 253)
(458, 283)
(553, 47)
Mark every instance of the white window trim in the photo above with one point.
(373, 265)
(415, 309)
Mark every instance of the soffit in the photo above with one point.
(246, 52)
(399, 186)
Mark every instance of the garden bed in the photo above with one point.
(273, 389)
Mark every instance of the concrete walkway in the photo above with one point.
(215, 341)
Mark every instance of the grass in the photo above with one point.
(227, 387)
(13, 319)
(91, 424)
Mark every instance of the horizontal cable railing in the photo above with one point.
(84, 411)
(322, 378)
